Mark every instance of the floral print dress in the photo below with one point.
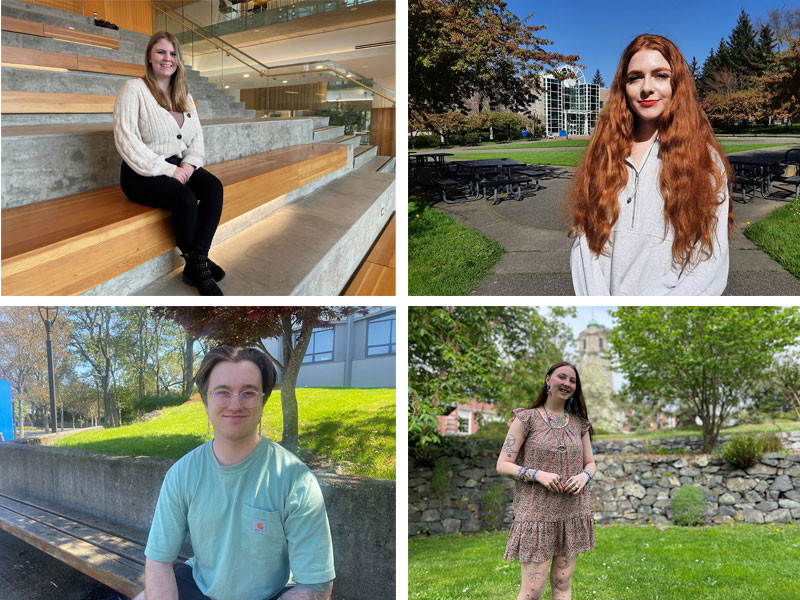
(547, 523)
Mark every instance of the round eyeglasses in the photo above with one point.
(248, 398)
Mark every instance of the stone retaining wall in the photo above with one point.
(627, 488)
(685, 445)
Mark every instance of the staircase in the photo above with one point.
(55, 159)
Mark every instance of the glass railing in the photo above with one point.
(298, 89)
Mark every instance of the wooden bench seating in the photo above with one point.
(68, 245)
(58, 33)
(27, 57)
(15, 102)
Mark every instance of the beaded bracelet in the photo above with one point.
(533, 475)
(589, 475)
(521, 473)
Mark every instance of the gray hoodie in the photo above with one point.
(640, 263)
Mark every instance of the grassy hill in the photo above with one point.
(353, 428)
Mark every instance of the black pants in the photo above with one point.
(187, 588)
(194, 223)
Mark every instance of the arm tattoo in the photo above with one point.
(309, 591)
(508, 447)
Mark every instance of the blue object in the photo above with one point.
(562, 132)
(6, 411)
(524, 133)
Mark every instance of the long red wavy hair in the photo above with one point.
(693, 168)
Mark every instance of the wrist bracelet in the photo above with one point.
(533, 475)
(589, 475)
(521, 473)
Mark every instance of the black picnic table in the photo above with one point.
(759, 170)
(494, 173)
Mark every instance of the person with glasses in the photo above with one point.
(253, 510)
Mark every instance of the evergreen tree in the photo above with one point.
(709, 67)
(694, 69)
(766, 47)
(598, 79)
(724, 60)
(743, 51)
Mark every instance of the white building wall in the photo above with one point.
(374, 372)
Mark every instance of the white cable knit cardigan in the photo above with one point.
(145, 134)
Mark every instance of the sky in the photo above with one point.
(599, 34)
(602, 316)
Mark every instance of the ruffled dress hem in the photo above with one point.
(537, 541)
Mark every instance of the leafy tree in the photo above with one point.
(784, 23)
(706, 357)
(459, 48)
(91, 338)
(598, 79)
(496, 354)
(782, 82)
(729, 109)
(250, 326)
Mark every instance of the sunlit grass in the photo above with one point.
(779, 236)
(351, 427)
(725, 562)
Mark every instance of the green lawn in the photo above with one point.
(759, 130)
(444, 258)
(351, 427)
(727, 562)
(779, 236)
(571, 158)
(497, 431)
(534, 145)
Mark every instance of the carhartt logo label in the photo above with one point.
(258, 526)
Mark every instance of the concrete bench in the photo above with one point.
(68, 245)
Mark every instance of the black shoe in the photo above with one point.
(198, 274)
(216, 271)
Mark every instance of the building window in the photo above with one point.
(381, 336)
(463, 421)
(320, 348)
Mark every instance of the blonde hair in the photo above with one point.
(178, 92)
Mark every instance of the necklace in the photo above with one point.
(558, 423)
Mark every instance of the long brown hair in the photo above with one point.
(178, 91)
(693, 167)
(576, 405)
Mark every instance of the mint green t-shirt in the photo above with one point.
(250, 523)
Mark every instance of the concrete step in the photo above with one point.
(69, 82)
(53, 16)
(381, 164)
(309, 247)
(363, 154)
(324, 134)
(350, 140)
(34, 42)
(30, 173)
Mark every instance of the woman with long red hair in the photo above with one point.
(649, 202)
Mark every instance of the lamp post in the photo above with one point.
(48, 323)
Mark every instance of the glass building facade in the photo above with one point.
(570, 106)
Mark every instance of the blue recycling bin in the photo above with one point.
(6, 411)
(562, 133)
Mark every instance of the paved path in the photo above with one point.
(536, 262)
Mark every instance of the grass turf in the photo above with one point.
(571, 158)
(779, 236)
(497, 431)
(725, 562)
(534, 145)
(444, 258)
(351, 427)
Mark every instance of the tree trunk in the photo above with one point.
(292, 361)
(188, 365)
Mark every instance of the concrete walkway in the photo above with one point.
(534, 234)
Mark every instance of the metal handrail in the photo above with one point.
(263, 74)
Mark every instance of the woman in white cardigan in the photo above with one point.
(158, 135)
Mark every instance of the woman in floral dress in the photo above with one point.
(548, 451)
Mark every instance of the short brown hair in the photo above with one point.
(235, 354)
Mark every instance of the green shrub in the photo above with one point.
(771, 442)
(424, 141)
(743, 450)
(136, 407)
(492, 507)
(472, 139)
(455, 140)
(664, 450)
(441, 477)
(688, 506)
